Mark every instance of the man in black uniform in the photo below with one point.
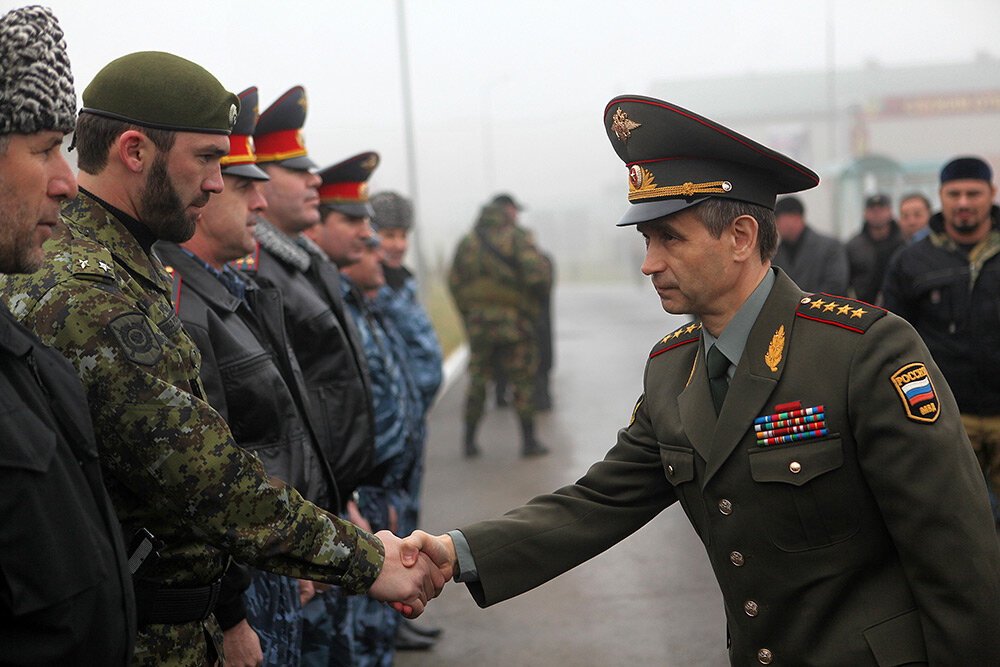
(66, 594)
(251, 377)
(810, 439)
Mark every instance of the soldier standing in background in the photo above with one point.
(496, 278)
(67, 594)
(150, 136)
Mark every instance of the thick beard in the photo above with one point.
(161, 209)
(18, 252)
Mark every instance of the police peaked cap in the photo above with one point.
(345, 185)
(241, 160)
(278, 136)
(162, 91)
(676, 159)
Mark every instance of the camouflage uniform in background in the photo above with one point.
(170, 462)
(399, 436)
(497, 278)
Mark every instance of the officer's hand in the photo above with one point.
(407, 586)
(440, 549)
(242, 646)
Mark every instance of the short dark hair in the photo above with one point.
(95, 134)
(789, 205)
(916, 195)
(717, 214)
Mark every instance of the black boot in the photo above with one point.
(529, 445)
(471, 450)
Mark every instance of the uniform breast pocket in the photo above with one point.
(807, 493)
(679, 469)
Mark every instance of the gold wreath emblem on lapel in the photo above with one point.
(773, 356)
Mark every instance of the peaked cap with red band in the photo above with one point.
(278, 135)
(345, 185)
(242, 160)
(676, 159)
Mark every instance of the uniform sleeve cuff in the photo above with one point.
(466, 563)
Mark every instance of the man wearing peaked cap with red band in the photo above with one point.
(811, 440)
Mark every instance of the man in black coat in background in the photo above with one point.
(66, 594)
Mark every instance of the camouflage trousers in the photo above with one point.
(274, 611)
(519, 361)
(984, 434)
(188, 644)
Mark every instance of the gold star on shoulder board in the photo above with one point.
(858, 312)
(691, 328)
(622, 126)
(818, 303)
(830, 306)
(843, 310)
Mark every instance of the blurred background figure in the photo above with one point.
(496, 278)
(869, 251)
(914, 214)
(948, 287)
(816, 262)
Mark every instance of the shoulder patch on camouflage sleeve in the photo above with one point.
(915, 389)
(839, 311)
(688, 333)
(136, 338)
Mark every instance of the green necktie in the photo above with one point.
(718, 382)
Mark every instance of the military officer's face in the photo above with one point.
(227, 223)
(690, 269)
(394, 244)
(342, 237)
(34, 179)
(179, 184)
(965, 206)
(292, 198)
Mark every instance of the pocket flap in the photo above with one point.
(678, 463)
(898, 640)
(796, 464)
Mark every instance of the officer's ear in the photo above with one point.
(135, 150)
(743, 234)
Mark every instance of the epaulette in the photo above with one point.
(248, 262)
(839, 311)
(175, 290)
(90, 259)
(689, 333)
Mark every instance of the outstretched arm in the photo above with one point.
(409, 578)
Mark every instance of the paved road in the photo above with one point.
(651, 599)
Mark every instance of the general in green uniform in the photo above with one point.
(811, 440)
(104, 301)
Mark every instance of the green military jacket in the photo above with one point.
(169, 460)
(869, 544)
(498, 278)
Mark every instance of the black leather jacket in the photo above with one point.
(251, 376)
(957, 315)
(329, 352)
(65, 590)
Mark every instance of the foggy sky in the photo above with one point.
(507, 95)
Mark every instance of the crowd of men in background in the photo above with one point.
(940, 272)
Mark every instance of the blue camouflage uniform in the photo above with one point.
(399, 437)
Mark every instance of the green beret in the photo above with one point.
(163, 91)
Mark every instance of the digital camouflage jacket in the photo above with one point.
(169, 460)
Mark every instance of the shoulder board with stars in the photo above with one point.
(91, 259)
(248, 262)
(175, 291)
(839, 311)
(689, 333)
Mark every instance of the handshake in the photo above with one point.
(415, 570)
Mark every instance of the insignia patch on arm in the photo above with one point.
(915, 389)
(839, 311)
(136, 338)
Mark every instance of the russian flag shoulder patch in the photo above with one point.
(915, 389)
